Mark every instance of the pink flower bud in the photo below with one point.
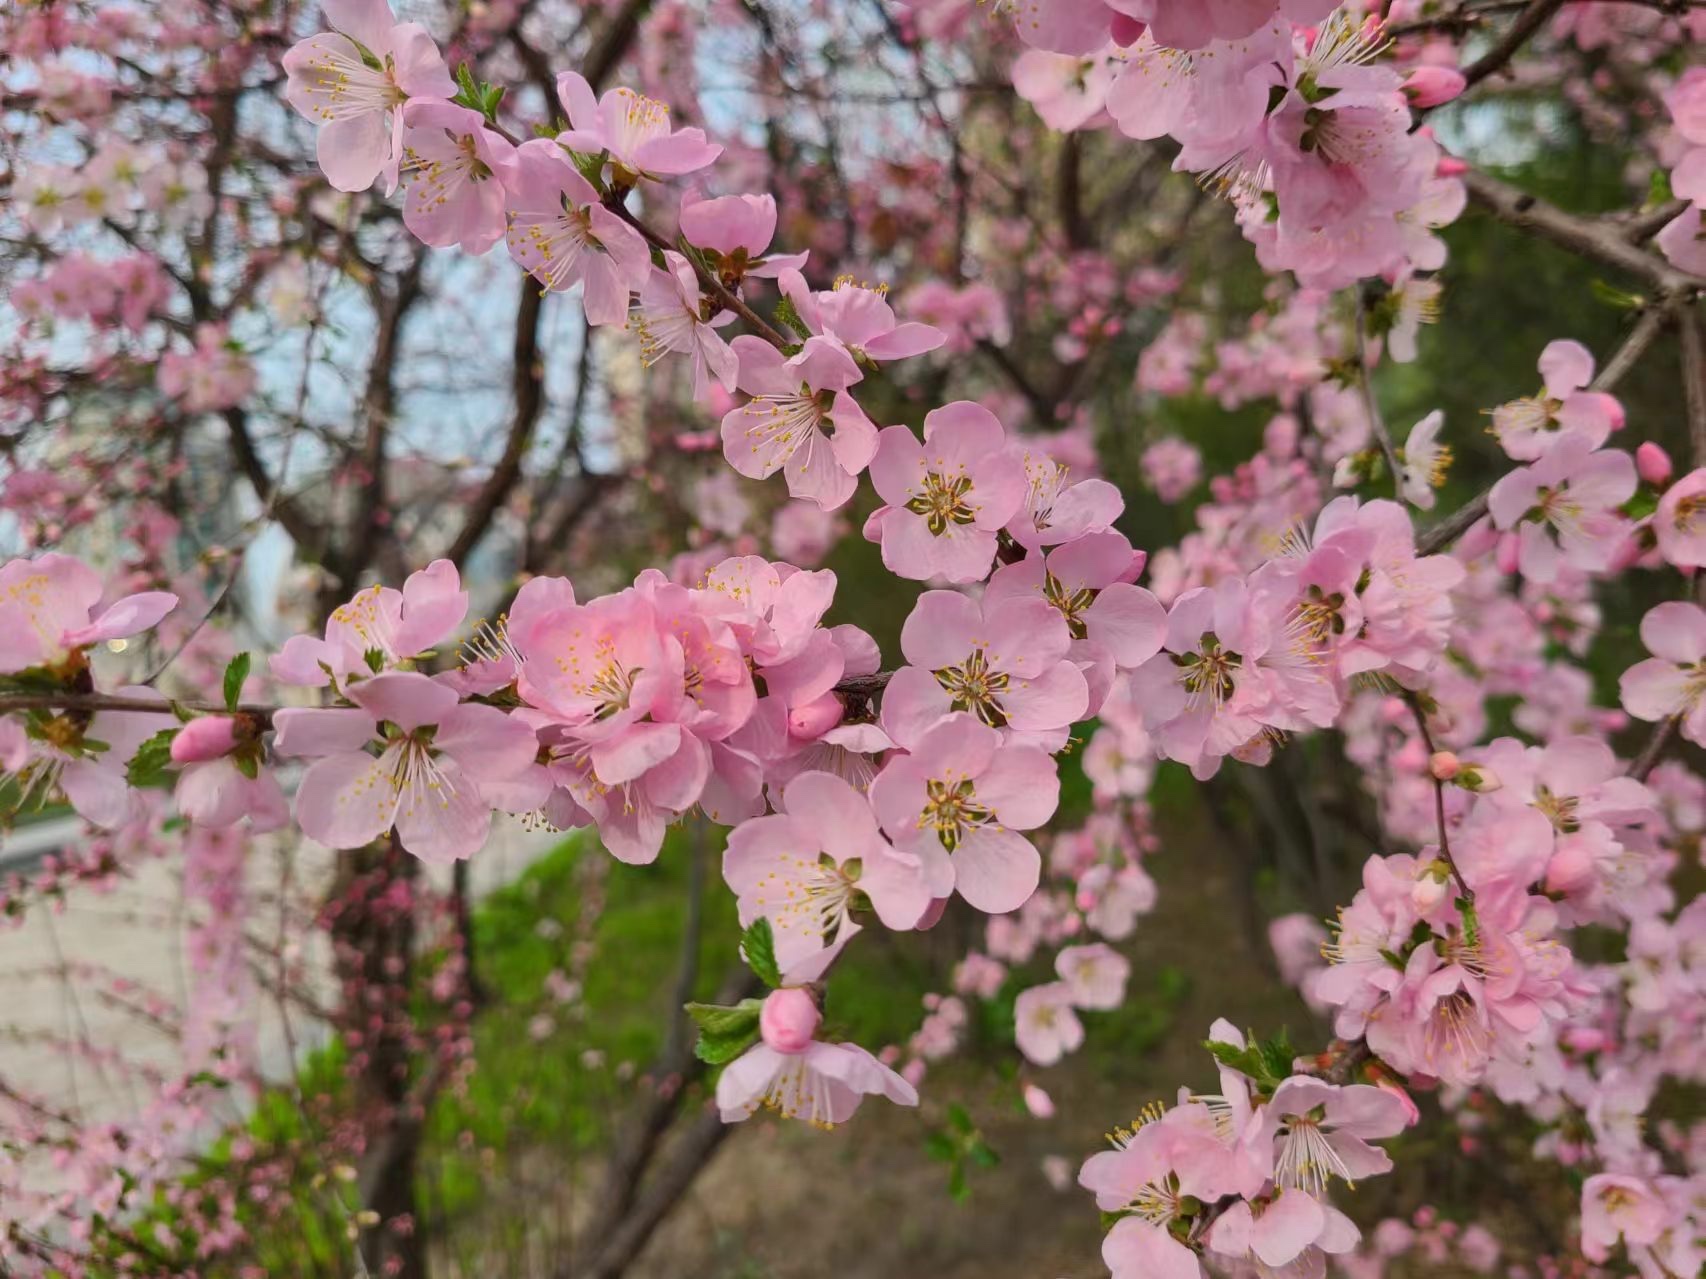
(1450, 166)
(814, 719)
(203, 739)
(1570, 870)
(1653, 464)
(1126, 31)
(1427, 892)
(1038, 1102)
(1434, 86)
(1444, 766)
(789, 1019)
(1508, 553)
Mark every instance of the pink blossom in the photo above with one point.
(1087, 582)
(1279, 1230)
(1172, 467)
(1045, 1026)
(959, 802)
(1006, 664)
(859, 319)
(561, 233)
(1616, 1207)
(1322, 1131)
(673, 317)
(426, 779)
(817, 1083)
(631, 130)
(48, 612)
(349, 80)
(216, 375)
(1095, 975)
(1056, 511)
(801, 420)
(86, 761)
(948, 497)
(455, 171)
(1528, 428)
(1680, 522)
(807, 868)
(734, 232)
(1565, 508)
(378, 629)
(1673, 681)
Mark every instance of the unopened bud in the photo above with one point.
(812, 720)
(1434, 86)
(1431, 885)
(1444, 766)
(1653, 464)
(203, 739)
(789, 1019)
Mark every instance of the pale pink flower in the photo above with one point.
(1673, 680)
(1287, 1229)
(426, 779)
(1616, 1207)
(1006, 664)
(1056, 511)
(377, 630)
(948, 497)
(1680, 522)
(1088, 582)
(562, 234)
(959, 803)
(48, 612)
(352, 82)
(1321, 1131)
(801, 420)
(734, 232)
(216, 375)
(1564, 508)
(806, 868)
(1068, 92)
(859, 318)
(85, 761)
(1172, 467)
(673, 317)
(1095, 975)
(799, 1077)
(1044, 1024)
(454, 173)
(632, 130)
(1529, 427)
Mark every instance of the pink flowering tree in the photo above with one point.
(876, 452)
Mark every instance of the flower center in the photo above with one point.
(943, 502)
(1071, 604)
(974, 687)
(951, 810)
(1209, 672)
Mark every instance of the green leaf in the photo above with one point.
(982, 1155)
(958, 1187)
(758, 948)
(1643, 504)
(939, 1146)
(720, 1020)
(375, 659)
(789, 318)
(1277, 1056)
(959, 1119)
(148, 766)
(248, 765)
(720, 1050)
(1244, 1060)
(236, 672)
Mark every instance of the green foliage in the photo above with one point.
(148, 766)
(725, 1033)
(235, 674)
(758, 948)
